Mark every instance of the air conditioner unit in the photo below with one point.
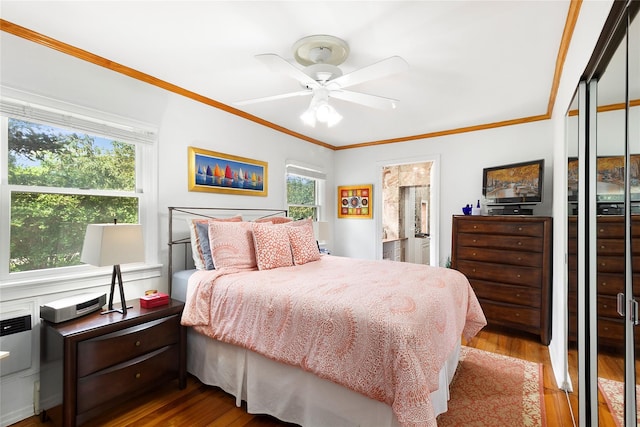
(15, 337)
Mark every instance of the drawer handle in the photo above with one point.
(518, 276)
(519, 258)
(517, 314)
(602, 247)
(475, 226)
(518, 295)
(519, 243)
(137, 343)
(605, 306)
(473, 270)
(138, 375)
(474, 240)
(474, 254)
(602, 230)
(603, 264)
(604, 283)
(519, 228)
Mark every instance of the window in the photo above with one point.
(305, 188)
(56, 179)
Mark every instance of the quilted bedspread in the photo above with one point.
(380, 328)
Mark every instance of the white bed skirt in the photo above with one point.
(291, 394)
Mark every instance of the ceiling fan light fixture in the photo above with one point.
(309, 117)
(321, 111)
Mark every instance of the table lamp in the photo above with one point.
(113, 244)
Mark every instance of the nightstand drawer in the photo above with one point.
(108, 350)
(127, 378)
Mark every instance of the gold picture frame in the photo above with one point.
(215, 172)
(355, 201)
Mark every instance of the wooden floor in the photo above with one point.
(200, 405)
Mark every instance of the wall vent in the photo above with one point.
(15, 337)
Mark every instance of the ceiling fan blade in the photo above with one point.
(274, 97)
(377, 70)
(279, 64)
(372, 101)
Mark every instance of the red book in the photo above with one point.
(155, 299)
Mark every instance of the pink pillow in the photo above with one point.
(200, 241)
(272, 246)
(232, 245)
(303, 242)
(275, 219)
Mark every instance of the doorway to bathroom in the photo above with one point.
(409, 231)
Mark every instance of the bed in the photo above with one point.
(316, 340)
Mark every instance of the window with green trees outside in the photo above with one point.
(302, 197)
(60, 180)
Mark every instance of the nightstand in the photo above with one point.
(94, 363)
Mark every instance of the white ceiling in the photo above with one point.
(470, 62)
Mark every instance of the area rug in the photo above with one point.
(490, 389)
(613, 393)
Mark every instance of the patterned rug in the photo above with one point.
(494, 390)
(613, 393)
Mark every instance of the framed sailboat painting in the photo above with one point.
(211, 171)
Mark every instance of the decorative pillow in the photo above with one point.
(272, 246)
(200, 241)
(303, 242)
(202, 231)
(232, 244)
(275, 219)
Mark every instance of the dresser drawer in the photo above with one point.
(529, 297)
(507, 274)
(613, 284)
(529, 259)
(519, 243)
(127, 378)
(607, 307)
(107, 350)
(509, 314)
(610, 247)
(615, 264)
(533, 229)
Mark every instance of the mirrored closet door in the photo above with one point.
(604, 224)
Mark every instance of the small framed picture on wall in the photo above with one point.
(355, 201)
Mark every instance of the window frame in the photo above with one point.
(309, 172)
(70, 117)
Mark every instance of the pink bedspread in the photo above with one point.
(381, 328)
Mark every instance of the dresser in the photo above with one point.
(508, 261)
(94, 363)
(609, 277)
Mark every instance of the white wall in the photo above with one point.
(462, 158)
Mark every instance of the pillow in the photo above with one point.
(303, 242)
(200, 241)
(232, 244)
(272, 246)
(275, 219)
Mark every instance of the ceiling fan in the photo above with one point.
(320, 55)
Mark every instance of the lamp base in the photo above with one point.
(117, 274)
(116, 310)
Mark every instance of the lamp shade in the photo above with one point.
(112, 244)
(321, 230)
